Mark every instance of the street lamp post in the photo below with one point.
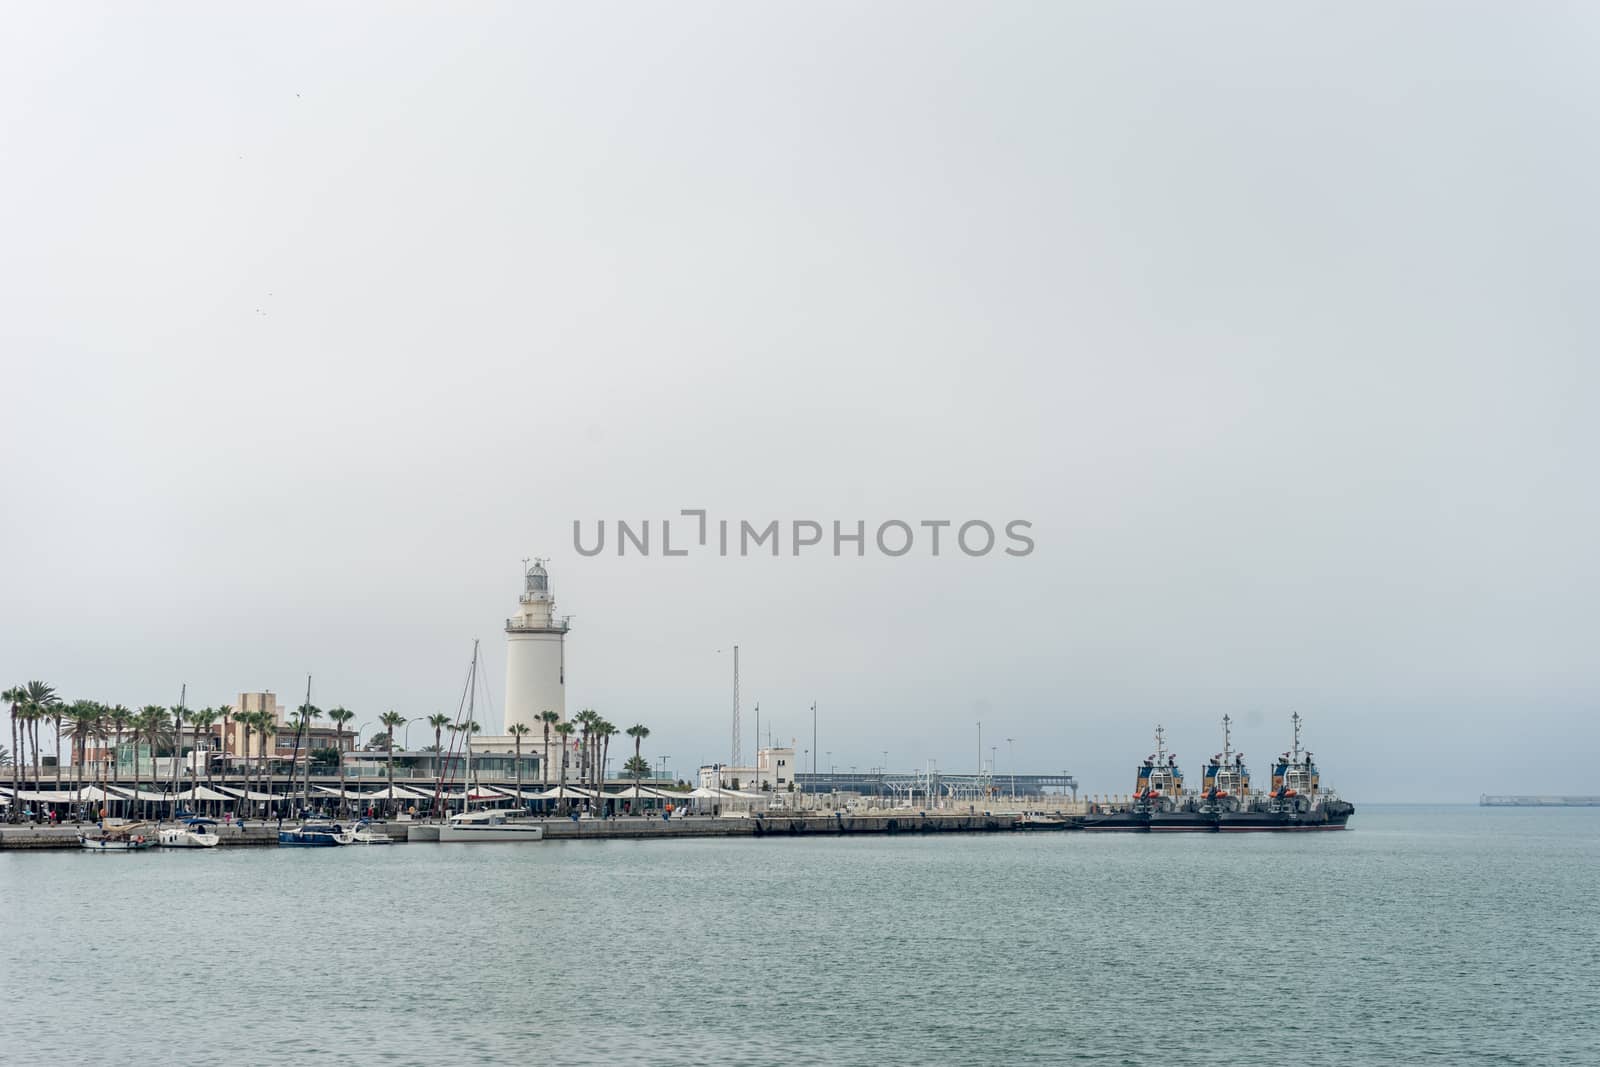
(1011, 761)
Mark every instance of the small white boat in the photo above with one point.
(128, 837)
(498, 824)
(194, 833)
(365, 834)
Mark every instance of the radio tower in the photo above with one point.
(736, 745)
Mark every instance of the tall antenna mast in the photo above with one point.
(736, 744)
(1296, 737)
(1227, 746)
(1161, 745)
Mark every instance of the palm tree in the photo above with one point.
(151, 726)
(225, 713)
(391, 719)
(602, 740)
(120, 718)
(518, 731)
(586, 720)
(88, 723)
(204, 719)
(40, 702)
(638, 731)
(247, 723)
(548, 718)
(340, 716)
(266, 725)
(31, 714)
(15, 697)
(439, 722)
(564, 731)
(636, 768)
(56, 713)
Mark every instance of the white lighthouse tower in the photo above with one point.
(536, 658)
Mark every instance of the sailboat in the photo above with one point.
(311, 833)
(129, 837)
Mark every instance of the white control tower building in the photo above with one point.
(536, 656)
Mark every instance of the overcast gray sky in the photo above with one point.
(1276, 320)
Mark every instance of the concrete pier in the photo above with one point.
(623, 828)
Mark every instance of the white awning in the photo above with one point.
(49, 796)
(200, 792)
(398, 793)
(129, 793)
(247, 794)
(557, 792)
(645, 792)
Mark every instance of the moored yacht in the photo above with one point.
(498, 824)
(195, 832)
(315, 833)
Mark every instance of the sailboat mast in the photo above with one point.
(177, 745)
(305, 724)
(472, 695)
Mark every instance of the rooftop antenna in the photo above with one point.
(1296, 719)
(1161, 744)
(1227, 747)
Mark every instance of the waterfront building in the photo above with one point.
(774, 772)
(233, 742)
(319, 735)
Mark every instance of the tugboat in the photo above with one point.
(1297, 800)
(1157, 792)
(1225, 786)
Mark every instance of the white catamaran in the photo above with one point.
(498, 824)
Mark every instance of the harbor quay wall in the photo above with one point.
(42, 836)
(257, 833)
(770, 825)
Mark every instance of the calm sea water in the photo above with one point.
(1453, 935)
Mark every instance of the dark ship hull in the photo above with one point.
(1331, 816)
